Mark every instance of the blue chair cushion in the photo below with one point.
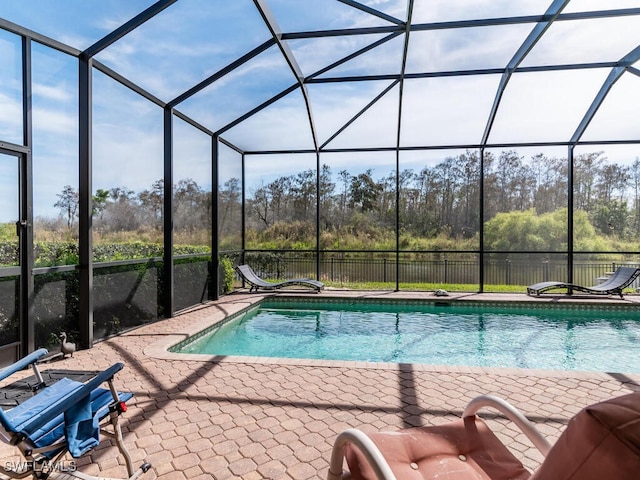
(79, 423)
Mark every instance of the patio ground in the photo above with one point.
(203, 418)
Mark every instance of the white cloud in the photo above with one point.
(596, 40)
(447, 111)
(58, 92)
(284, 125)
(8, 189)
(451, 10)
(617, 118)
(10, 119)
(545, 106)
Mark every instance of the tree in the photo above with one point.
(260, 205)
(327, 187)
(152, 203)
(99, 202)
(364, 192)
(610, 218)
(635, 184)
(229, 206)
(190, 209)
(123, 212)
(303, 191)
(345, 177)
(527, 231)
(68, 202)
(586, 169)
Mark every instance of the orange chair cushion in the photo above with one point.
(601, 442)
(463, 449)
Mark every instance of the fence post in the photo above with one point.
(545, 271)
(332, 268)
(446, 270)
(384, 270)
(507, 272)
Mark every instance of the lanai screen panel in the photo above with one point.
(446, 110)
(55, 150)
(229, 199)
(466, 49)
(617, 118)
(439, 195)
(545, 106)
(448, 10)
(184, 44)
(283, 125)
(280, 198)
(128, 167)
(241, 90)
(310, 15)
(337, 105)
(76, 23)
(11, 88)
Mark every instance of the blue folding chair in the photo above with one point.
(67, 416)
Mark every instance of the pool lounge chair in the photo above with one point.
(65, 417)
(246, 272)
(601, 441)
(621, 279)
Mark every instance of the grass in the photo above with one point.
(427, 287)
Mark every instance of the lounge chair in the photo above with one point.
(601, 441)
(621, 279)
(246, 272)
(66, 417)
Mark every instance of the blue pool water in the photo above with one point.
(500, 336)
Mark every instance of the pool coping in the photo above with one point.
(220, 310)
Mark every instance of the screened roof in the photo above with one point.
(323, 75)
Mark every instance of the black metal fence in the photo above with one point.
(462, 269)
(129, 293)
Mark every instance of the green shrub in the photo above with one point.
(229, 273)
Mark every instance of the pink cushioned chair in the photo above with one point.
(601, 442)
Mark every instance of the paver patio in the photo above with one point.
(277, 419)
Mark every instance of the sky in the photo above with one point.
(193, 39)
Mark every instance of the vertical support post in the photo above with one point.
(85, 246)
(27, 335)
(481, 222)
(214, 265)
(397, 220)
(318, 206)
(168, 270)
(570, 235)
(243, 221)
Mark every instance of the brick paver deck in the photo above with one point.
(277, 419)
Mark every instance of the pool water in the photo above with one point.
(539, 338)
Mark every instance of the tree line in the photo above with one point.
(120, 209)
(442, 200)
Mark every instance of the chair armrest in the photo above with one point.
(362, 442)
(65, 403)
(22, 363)
(513, 414)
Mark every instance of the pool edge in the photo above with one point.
(233, 304)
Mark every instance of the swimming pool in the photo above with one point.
(455, 333)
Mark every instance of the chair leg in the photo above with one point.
(116, 434)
